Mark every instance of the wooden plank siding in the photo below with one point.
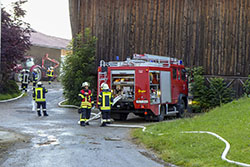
(214, 34)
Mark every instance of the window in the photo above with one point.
(183, 74)
(179, 74)
(174, 73)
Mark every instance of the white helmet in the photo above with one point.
(39, 83)
(27, 71)
(105, 86)
(102, 85)
(85, 84)
(51, 68)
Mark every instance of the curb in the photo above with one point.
(3, 101)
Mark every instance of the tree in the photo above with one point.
(15, 40)
(80, 66)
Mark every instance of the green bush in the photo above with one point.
(10, 90)
(208, 95)
(10, 87)
(246, 86)
(79, 66)
(218, 92)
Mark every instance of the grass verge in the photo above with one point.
(9, 96)
(231, 121)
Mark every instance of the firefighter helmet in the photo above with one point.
(51, 68)
(102, 84)
(27, 71)
(85, 84)
(105, 86)
(39, 83)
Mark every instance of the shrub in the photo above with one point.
(208, 95)
(79, 66)
(219, 93)
(246, 86)
(10, 87)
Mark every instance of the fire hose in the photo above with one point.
(3, 101)
(223, 155)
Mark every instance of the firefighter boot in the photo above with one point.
(108, 121)
(45, 113)
(103, 124)
(39, 113)
(82, 123)
(87, 123)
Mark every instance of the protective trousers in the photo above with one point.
(50, 80)
(84, 116)
(105, 117)
(24, 87)
(43, 105)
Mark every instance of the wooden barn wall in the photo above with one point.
(214, 34)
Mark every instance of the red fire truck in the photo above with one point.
(149, 86)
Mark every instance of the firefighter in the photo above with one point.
(39, 96)
(24, 80)
(104, 103)
(86, 103)
(34, 78)
(50, 74)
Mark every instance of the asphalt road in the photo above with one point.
(58, 140)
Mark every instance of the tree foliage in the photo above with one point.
(79, 66)
(15, 39)
(246, 86)
(207, 95)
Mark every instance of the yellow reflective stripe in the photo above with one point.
(85, 103)
(83, 119)
(105, 108)
(81, 95)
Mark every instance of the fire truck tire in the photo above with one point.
(123, 117)
(181, 109)
(162, 113)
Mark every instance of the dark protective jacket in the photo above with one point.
(25, 78)
(50, 73)
(105, 100)
(39, 94)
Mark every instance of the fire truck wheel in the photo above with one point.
(123, 117)
(162, 113)
(180, 108)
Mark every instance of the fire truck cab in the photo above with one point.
(149, 86)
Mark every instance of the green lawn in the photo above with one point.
(231, 121)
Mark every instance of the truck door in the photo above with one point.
(165, 83)
(175, 85)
